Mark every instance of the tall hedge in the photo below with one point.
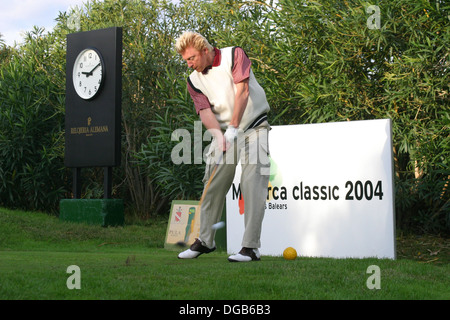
(31, 124)
(318, 61)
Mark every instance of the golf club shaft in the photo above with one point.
(210, 179)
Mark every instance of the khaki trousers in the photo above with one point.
(252, 149)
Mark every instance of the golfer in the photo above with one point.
(233, 107)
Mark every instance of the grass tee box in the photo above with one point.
(104, 212)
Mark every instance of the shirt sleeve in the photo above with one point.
(241, 65)
(200, 100)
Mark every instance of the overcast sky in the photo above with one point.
(18, 16)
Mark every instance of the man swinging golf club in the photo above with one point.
(233, 107)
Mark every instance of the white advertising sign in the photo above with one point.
(330, 192)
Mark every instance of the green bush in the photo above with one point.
(176, 181)
(32, 174)
(317, 60)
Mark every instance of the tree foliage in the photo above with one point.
(318, 61)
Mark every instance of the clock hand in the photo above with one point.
(98, 65)
(90, 72)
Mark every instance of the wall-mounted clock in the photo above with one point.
(88, 73)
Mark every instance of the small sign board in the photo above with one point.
(184, 226)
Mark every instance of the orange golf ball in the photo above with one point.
(289, 253)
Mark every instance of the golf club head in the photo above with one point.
(181, 244)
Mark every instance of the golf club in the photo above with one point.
(182, 244)
(210, 179)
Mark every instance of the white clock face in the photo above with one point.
(88, 72)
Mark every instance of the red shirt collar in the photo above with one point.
(217, 58)
(216, 62)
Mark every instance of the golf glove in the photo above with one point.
(230, 135)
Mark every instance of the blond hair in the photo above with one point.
(194, 39)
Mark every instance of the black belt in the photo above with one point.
(260, 119)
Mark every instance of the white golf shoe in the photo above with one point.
(245, 255)
(196, 249)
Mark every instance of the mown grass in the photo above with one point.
(130, 263)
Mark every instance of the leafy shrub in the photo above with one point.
(176, 181)
(32, 174)
(317, 60)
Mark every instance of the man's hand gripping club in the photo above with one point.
(230, 136)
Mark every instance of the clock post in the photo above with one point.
(93, 121)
